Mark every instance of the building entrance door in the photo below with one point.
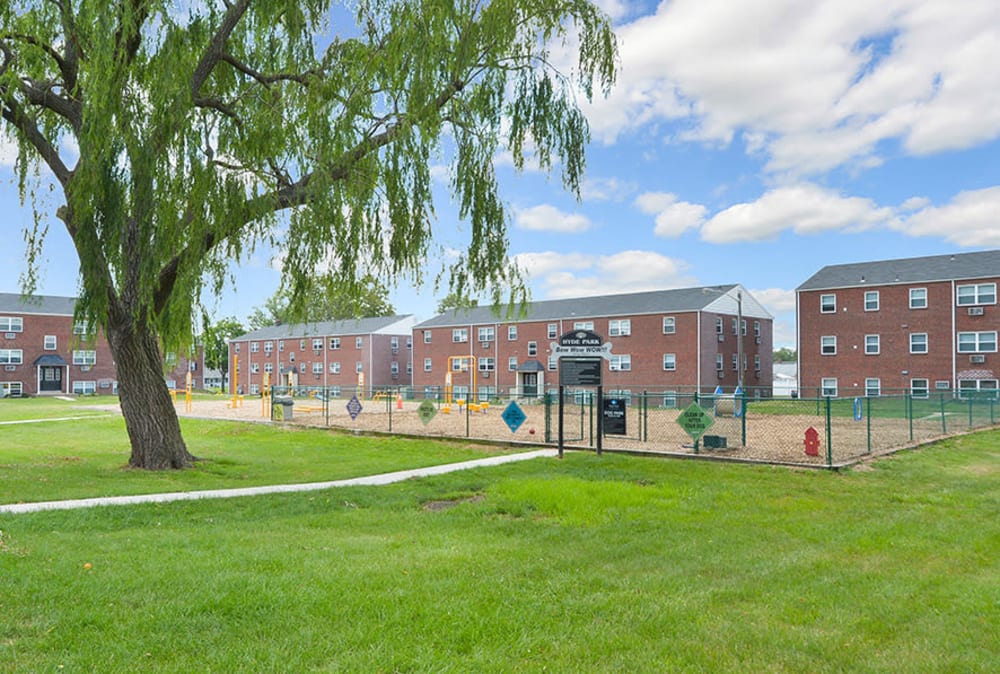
(530, 384)
(51, 379)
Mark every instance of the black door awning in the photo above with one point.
(50, 359)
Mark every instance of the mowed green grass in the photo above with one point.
(588, 564)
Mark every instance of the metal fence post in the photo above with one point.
(829, 435)
(944, 422)
(908, 400)
(868, 421)
(548, 417)
(743, 419)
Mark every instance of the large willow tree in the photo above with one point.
(183, 133)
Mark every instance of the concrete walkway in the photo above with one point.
(371, 480)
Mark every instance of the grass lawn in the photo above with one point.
(46, 408)
(586, 564)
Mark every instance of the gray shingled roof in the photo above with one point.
(14, 303)
(361, 326)
(631, 304)
(960, 266)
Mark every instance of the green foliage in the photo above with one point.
(785, 355)
(215, 339)
(368, 298)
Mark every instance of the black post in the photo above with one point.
(600, 419)
(562, 392)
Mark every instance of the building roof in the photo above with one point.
(960, 266)
(15, 303)
(387, 325)
(721, 299)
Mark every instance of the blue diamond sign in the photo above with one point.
(354, 407)
(513, 416)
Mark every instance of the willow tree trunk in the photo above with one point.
(150, 417)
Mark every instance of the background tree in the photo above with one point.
(453, 301)
(784, 355)
(215, 338)
(324, 302)
(182, 135)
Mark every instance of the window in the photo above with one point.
(359, 342)
(512, 364)
(670, 362)
(302, 345)
(427, 336)
(486, 365)
(49, 343)
(734, 327)
(918, 298)
(919, 388)
(553, 363)
(827, 304)
(552, 330)
(84, 357)
(317, 368)
(269, 367)
(828, 387)
(871, 300)
(718, 362)
(460, 335)
(254, 368)
(977, 342)
(427, 364)
(79, 327)
(11, 356)
(621, 362)
(291, 356)
(872, 345)
(335, 367)
(873, 387)
(254, 347)
(756, 362)
(718, 326)
(942, 385)
(828, 345)
(394, 343)
(409, 367)
(670, 399)
(620, 328)
(13, 389)
(756, 329)
(254, 389)
(734, 362)
(459, 365)
(236, 347)
(487, 334)
(981, 293)
(318, 344)
(669, 325)
(359, 367)
(86, 387)
(918, 342)
(978, 388)
(409, 341)
(281, 345)
(334, 343)
(532, 348)
(583, 325)
(511, 333)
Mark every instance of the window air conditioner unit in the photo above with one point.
(10, 335)
(721, 373)
(756, 340)
(395, 375)
(84, 368)
(486, 374)
(485, 345)
(11, 368)
(977, 358)
(975, 311)
(722, 337)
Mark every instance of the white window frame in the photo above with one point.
(828, 345)
(459, 335)
(86, 357)
(394, 367)
(268, 347)
(317, 343)
(719, 326)
(584, 325)
(11, 324)
(877, 344)
(82, 388)
(269, 368)
(977, 386)
(828, 303)
(553, 363)
(512, 364)
(254, 347)
(669, 362)
(317, 367)
(916, 341)
(254, 368)
(428, 364)
(81, 327)
(427, 336)
(359, 342)
(984, 341)
(918, 295)
(719, 362)
(552, 330)
(8, 388)
(871, 300)
(920, 391)
(532, 348)
(359, 367)
(335, 367)
(50, 342)
(669, 325)
(621, 362)
(511, 333)
(982, 293)
(621, 327)
(873, 387)
(334, 343)
(486, 364)
(11, 356)
(828, 387)
(486, 333)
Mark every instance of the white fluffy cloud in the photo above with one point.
(557, 275)
(970, 219)
(812, 85)
(673, 217)
(803, 209)
(545, 218)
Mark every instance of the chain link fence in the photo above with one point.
(815, 431)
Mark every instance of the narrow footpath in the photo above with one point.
(371, 480)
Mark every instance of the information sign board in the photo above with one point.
(580, 371)
(694, 421)
(426, 411)
(354, 407)
(513, 416)
(614, 416)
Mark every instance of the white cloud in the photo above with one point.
(776, 300)
(559, 275)
(813, 85)
(673, 217)
(970, 219)
(606, 189)
(545, 218)
(803, 209)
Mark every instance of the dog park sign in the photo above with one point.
(581, 354)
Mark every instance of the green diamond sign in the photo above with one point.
(694, 421)
(426, 411)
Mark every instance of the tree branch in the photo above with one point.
(216, 48)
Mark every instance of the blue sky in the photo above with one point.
(746, 142)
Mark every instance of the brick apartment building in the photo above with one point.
(329, 354)
(925, 324)
(44, 351)
(680, 338)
